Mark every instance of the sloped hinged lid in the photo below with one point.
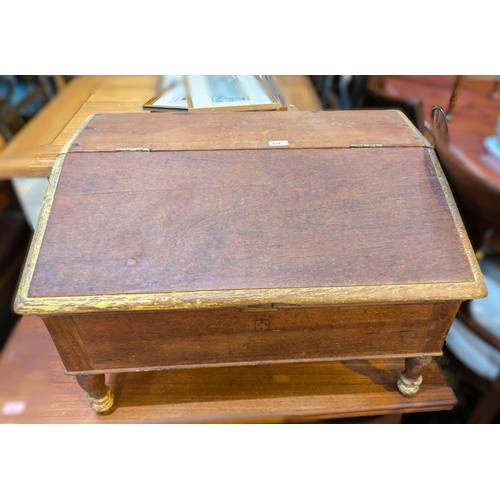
(348, 207)
(248, 130)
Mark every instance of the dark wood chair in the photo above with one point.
(378, 97)
(15, 235)
(338, 92)
(23, 97)
(478, 199)
(477, 196)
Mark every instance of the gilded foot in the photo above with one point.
(407, 387)
(411, 377)
(100, 396)
(102, 405)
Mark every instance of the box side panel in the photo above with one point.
(442, 317)
(69, 344)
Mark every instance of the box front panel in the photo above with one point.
(233, 336)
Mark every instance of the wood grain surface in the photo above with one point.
(34, 389)
(440, 321)
(247, 220)
(177, 339)
(249, 130)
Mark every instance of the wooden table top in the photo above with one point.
(31, 153)
(34, 389)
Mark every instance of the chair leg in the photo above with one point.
(488, 406)
(454, 96)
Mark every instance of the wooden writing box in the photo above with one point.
(189, 240)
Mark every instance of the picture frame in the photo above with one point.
(171, 96)
(201, 93)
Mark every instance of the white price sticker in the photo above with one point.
(278, 143)
(13, 407)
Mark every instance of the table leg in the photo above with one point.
(100, 396)
(411, 377)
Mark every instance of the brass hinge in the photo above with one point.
(366, 146)
(133, 150)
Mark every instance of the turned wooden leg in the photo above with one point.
(495, 92)
(100, 396)
(411, 377)
(454, 96)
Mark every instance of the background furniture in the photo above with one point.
(479, 200)
(14, 238)
(22, 98)
(475, 117)
(32, 152)
(459, 82)
(366, 92)
(378, 96)
(340, 91)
